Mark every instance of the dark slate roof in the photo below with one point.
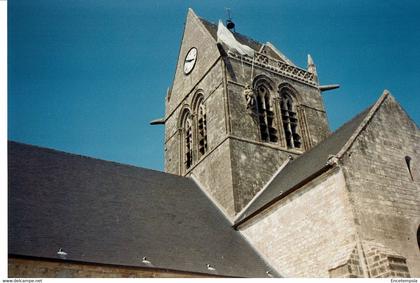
(212, 28)
(108, 213)
(303, 167)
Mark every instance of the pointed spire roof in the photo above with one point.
(311, 66)
(312, 163)
(310, 61)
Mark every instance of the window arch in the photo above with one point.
(290, 119)
(187, 139)
(265, 112)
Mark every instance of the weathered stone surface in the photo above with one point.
(195, 35)
(253, 165)
(376, 190)
(212, 89)
(249, 162)
(35, 268)
(303, 232)
(217, 182)
(254, 161)
(350, 265)
(326, 226)
(386, 200)
(384, 262)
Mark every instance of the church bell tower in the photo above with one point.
(237, 110)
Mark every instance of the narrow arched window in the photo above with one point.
(202, 129)
(290, 120)
(418, 237)
(187, 143)
(265, 114)
(408, 163)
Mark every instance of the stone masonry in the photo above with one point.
(238, 163)
(302, 234)
(385, 199)
(349, 266)
(359, 219)
(36, 268)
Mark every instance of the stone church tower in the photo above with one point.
(232, 120)
(246, 129)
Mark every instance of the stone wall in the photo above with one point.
(382, 262)
(315, 127)
(386, 200)
(223, 172)
(253, 165)
(370, 259)
(43, 268)
(195, 35)
(214, 174)
(254, 161)
(350, 265)
(305, 233)
(212, 89)
(206, 77)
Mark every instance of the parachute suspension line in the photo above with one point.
(252, 69)
(243, 69)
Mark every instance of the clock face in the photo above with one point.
(190, 60)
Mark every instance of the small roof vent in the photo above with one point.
(269, 274)
(210, 267)
(145, 260)
(62, 254)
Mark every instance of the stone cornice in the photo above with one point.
(277, 66)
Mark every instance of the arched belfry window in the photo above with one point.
(187, 139)
(290, 119)
(201, 128)
(264, 110)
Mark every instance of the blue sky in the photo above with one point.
(87, 76)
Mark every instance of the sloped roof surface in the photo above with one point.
(303, 167)
(104, 212)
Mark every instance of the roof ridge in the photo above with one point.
(53, 150)
(200, 22)
(348, 132)
(361, 127)
(282, 166)
(209, 196)
(131, 218)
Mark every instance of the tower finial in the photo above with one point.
(312, 67)
(229, 23)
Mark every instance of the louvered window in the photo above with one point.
(290, 121)
(202, 129)
(265, 115)
(188, 152)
